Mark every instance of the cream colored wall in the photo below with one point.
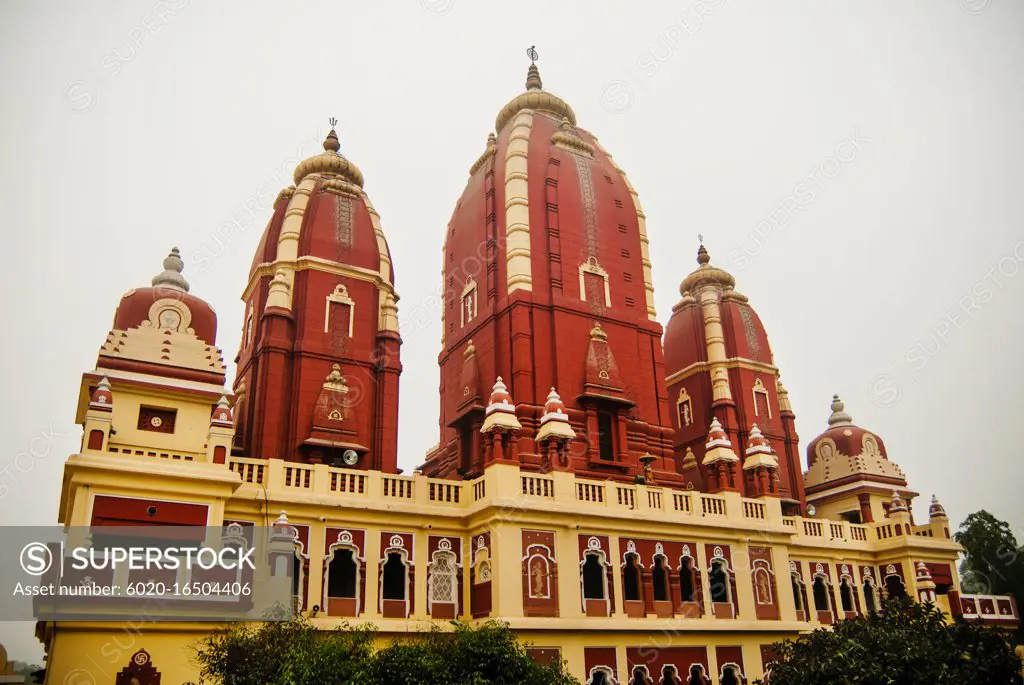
(833, 509)
(88, 654)
(191, 425)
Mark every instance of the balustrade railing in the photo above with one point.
(330, 481)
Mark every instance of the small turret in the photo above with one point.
(221, 433)
(720, 459)
(501, 426)
(555, 433)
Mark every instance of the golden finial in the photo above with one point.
(331, 142)
(702, 253)
(533, 81)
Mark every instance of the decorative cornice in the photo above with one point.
(567, 139)
(266, 269)
(538, 100)
(730, 363)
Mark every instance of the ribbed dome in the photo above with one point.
(685, 342)
(705, 274)
(330, 162)
(534, 98)
(333, 216)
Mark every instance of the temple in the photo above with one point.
(629, 498)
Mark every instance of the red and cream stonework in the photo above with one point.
(628, 499)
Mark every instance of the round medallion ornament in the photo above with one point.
(593, 543)
(156, 421)
(169, 318)
(140, 658)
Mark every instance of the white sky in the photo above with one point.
(717, 110)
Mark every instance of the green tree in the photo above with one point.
(283, 652)
(296, 653)
(993, 562)
(906, 644)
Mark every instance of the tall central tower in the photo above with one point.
(548, 286)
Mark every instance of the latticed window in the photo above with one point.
(442, 578)
(483, 573)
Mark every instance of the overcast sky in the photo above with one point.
(856, 165)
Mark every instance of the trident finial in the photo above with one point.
(333, 121)
(700, 238)
(532, 54)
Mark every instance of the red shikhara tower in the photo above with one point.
(721, 373)
(319, 360)
(548, 285)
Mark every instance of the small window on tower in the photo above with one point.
(594, 285)
(157, 420)
(606, 437)
(340, 314)
(248, 326)
(469, 302)
(762, 407)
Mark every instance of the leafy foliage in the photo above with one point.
(906, 644)
(993, 561)
(296, 653)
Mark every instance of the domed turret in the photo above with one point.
(849, 472)
(163, 330)
(137, 306)
(842, 437)
(547, 239)
(718, 360)
(321, 293)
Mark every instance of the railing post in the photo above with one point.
(565, 486)
(374, 485)
(640, 501)
(274, 475)
(420, 491)
(733, 503)
(772, 509)
(321, 479)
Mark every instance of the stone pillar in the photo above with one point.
(371, 549)
(866, 516)
(614, 554)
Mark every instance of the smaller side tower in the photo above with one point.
(849, 474)
(157, 395)
(319, 361)
(721, 373)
